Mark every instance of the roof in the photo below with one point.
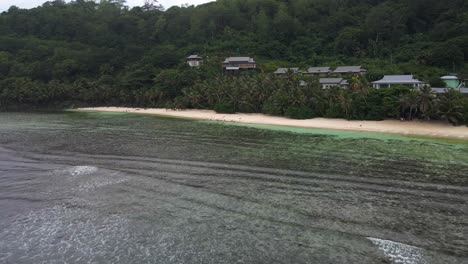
(346, 69)
(318, 70)
(239, 59)
(444, 90)
(331, 80)
(450, 77)
(439, 90)
(194, 57)
(285, 70)
(398, 79)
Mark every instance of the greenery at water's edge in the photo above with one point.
(86, 53)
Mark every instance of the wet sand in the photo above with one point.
(419, 128)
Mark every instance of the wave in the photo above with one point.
(399, 253)
(81, 170)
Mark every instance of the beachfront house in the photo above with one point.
(194, 60)
(284, 71)
(349, 70)
(318, 71)
(389, 81)
(237, 64)
(437, 90)
(327, 83)
(452, 82)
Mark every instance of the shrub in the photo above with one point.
(299, 112)
(224, 107)
(272, 108)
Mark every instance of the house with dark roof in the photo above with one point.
(194, 60)
(236, 64)
(283, 71)
(349, 70)
(318, 71)
(389, 81)
(327, 83)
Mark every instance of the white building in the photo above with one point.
(389, 81)
(327, 83)
(194, 60)
(283, 71)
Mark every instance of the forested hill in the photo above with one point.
(87, 44)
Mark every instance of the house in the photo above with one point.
(462, 90)
(452, 81)
(395, 80)
(194, 60)
(349, 70)
(236, 64)
(318, 71)
(327, 83)
(283, 71)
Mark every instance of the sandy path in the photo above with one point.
(432, 128)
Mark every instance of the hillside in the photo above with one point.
(105, 53)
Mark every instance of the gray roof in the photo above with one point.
(398, 79)
(352, 69)
(285, 70)
(444, 90)
(439, 90)
(331, 80)
(318, 70)
(239, 59)
(194, 57)
(450, 77)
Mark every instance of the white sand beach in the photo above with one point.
(421, 128)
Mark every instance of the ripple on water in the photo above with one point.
(398, 252)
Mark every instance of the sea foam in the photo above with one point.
(399, 253)
(81, 170)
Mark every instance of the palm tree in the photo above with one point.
(346, 102)
(450, 107)
(359, 84)
(409, 101)
(426, 101)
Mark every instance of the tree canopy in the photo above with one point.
(105, 52)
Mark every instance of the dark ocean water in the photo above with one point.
(90, 187)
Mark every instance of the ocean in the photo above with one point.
(94, 187)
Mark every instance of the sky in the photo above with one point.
(5, 4)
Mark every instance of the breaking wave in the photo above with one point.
(81, 170)
(398, 252)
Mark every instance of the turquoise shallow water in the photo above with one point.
(124, 188)
(344, 133)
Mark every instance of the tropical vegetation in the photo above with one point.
(65, 54)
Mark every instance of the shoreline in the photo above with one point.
(438, 129)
